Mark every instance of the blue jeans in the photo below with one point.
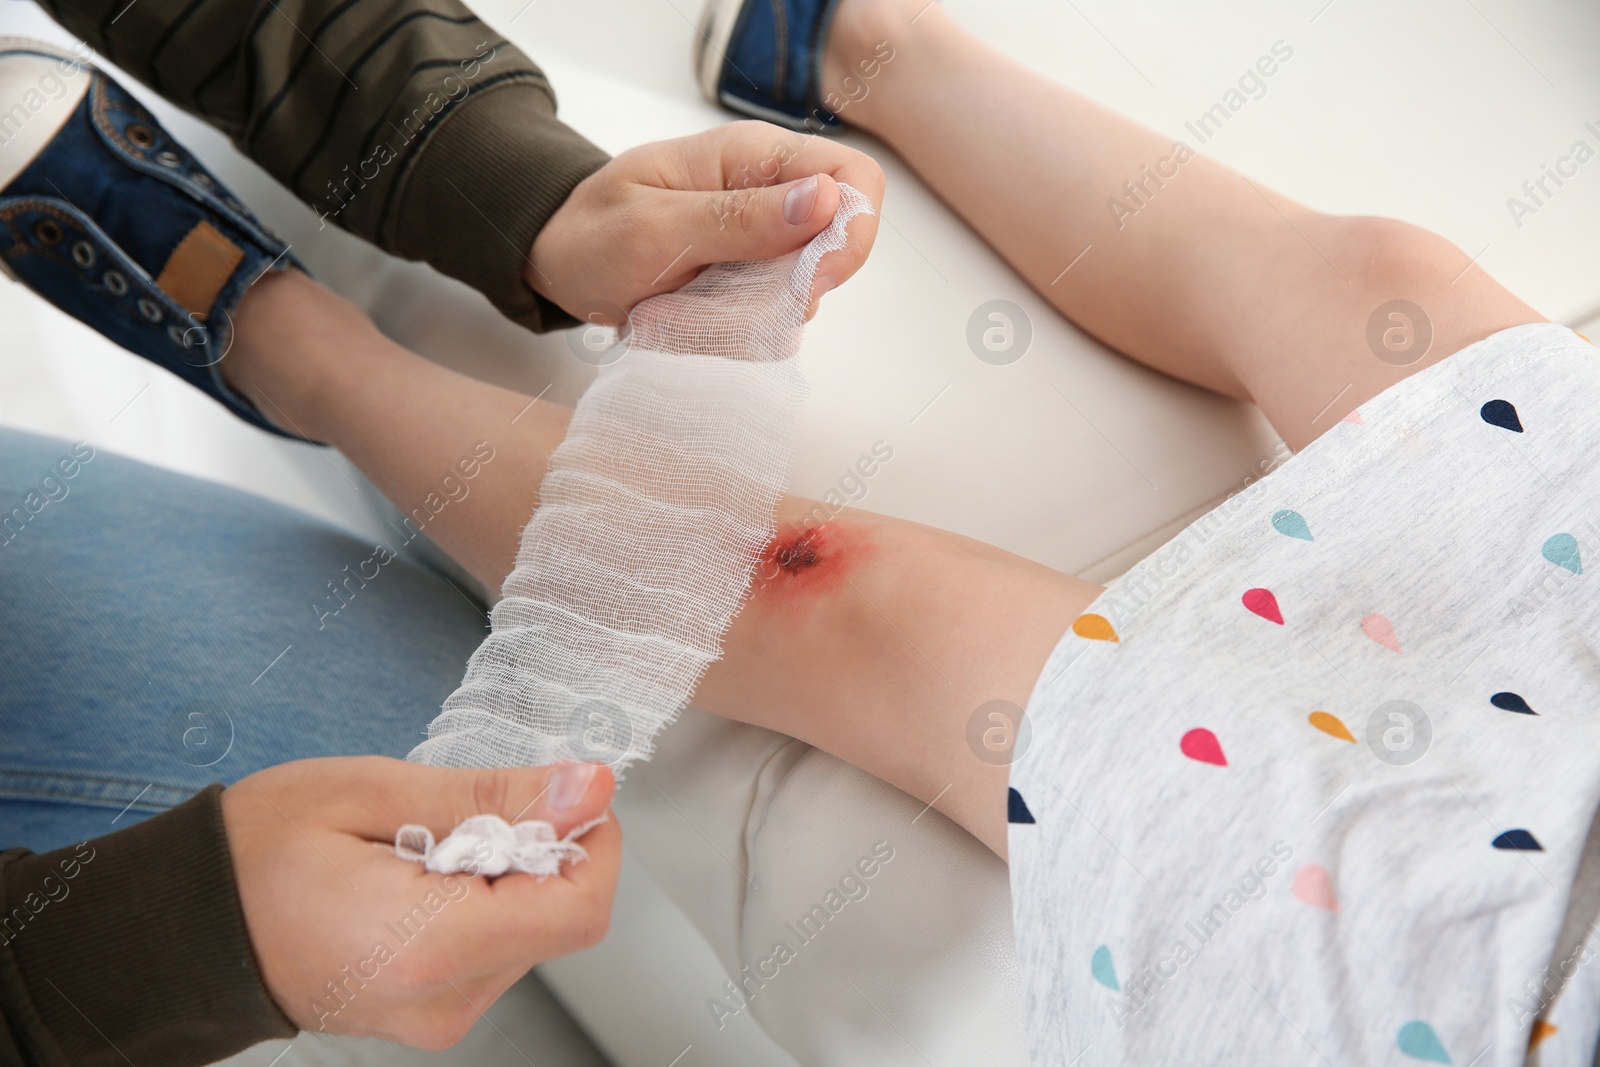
(159, 633)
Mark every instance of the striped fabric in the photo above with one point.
(410, 123)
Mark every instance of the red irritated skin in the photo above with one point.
(802, 563)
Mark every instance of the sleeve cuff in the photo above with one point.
(483, 186)
(134, 947)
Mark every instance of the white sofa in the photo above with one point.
(1434, 112)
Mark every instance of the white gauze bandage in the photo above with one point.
(652, 518)
(490, 846)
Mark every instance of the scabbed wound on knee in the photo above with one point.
(808, 560)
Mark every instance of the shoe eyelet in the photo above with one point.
(203, 180)
(168, 158)
(48, 231)
(83, 254)
(149, 309)
(140, 135)
(194, 336)
(115, 282)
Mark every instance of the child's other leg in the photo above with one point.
(1214, 279)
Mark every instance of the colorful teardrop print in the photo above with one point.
(1562, 550)
(1094, 627)
(1017, 809)
(1511, 702)
(1292, 524)
(1417, 1040)
(1378, 628)
(1201, 744)
(1500, 413)
(1313, 885)
(1518, 841)
(1263, 603)
(1541, 1029)
(1354, 416)
(1100, 966)
(1331, 725)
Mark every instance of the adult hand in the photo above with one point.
(353, 940)
(649, 220)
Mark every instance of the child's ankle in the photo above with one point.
(865, 39)
(286, 331)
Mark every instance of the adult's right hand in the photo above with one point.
(648, 221)
(353, 940)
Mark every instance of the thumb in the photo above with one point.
(766, 221)
(563, 794)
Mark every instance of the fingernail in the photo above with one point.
(568, 783)
(797, 202)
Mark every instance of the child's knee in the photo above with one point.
(1395, 267)
(1388, 258)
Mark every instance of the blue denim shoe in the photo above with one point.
(763, 58)
(118, 226)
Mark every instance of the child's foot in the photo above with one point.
(112, 221)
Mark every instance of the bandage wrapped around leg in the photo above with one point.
(652, 517)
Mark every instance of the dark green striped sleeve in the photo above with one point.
(410, 123)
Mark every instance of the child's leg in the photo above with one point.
(877, 641)
(314, 363)
(1215, 279)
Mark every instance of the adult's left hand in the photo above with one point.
(352, 940)
(652, 218)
